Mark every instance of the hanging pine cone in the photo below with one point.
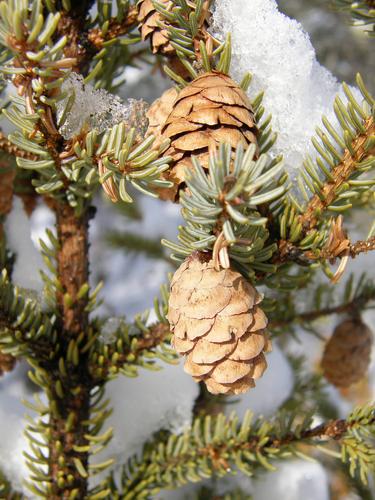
(210, 110)
(159, 111)
(218, 325)
(347, 353)
(150, 19)
(7, 363)
(7, 176)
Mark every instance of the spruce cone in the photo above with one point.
(159, 111)
(150, 19)
(6, 189)
(210, 110)
(7, 363)
(218, 325)
(347, 354)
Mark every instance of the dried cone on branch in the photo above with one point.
(7, 363)
(7, 176)
(210, 110)
(150, 19)
(218, 325)
(347, 354)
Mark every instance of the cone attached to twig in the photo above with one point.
(210, 110)
(7, 363)
(150, 25)
(7, 176)
(347, 353)
(218, 325)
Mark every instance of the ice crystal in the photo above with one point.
(86, 107)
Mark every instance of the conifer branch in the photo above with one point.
(6, 490)
(69, 394)
(217, 446)
(24, 329)
(362, 12)
(341, 173)
(288, 251)
(283, 313)
(308, 316)
(123, 357)
(362, 247)
(113, 29)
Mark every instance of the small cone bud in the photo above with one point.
(7, 176)
(210, 110)
(7, 363)
(218, 325)
(347, 353)
(150, 27)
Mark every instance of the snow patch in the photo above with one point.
(279, 54)
(96, 109)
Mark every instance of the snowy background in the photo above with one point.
(298, 90)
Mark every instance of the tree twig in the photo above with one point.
(362, 247)
(341, 173)
(115, 29)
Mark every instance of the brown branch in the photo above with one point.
(288, 251)
(341, 173)
(333, 429)
(74, 405)
(347, 307)
(72, 267)
(362, 247)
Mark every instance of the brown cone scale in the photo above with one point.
(7, 363)
(7, 176)
(211, 109)
(149, 25)
(347, 353)
(218, 325)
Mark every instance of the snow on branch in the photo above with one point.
(279, 53)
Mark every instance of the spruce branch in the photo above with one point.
(123, 159)
(288, 251)
(284, 314)
(225, 204)
(133, 345)
(136, 243)
(220, 445)
(332, 184)
(359, 152)
(362, 247)
(24, 328)
(6, 490)
(362, 12)
(69, 389)
(113, 28)
(128, 352)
